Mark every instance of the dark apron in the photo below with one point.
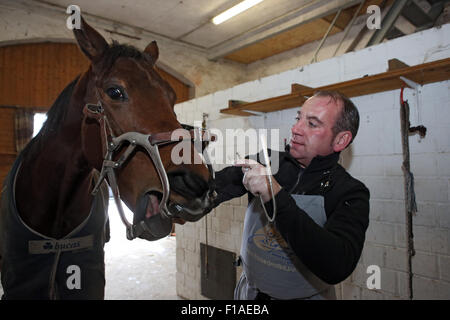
(269, 264)
(35, 266)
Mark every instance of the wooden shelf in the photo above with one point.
(292, 100)
(421, 74)
(8, 154)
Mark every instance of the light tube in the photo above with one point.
(240, 7)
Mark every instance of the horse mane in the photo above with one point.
(55, 118)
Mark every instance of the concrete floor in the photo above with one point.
(138, 269)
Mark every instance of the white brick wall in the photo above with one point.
(375, 158)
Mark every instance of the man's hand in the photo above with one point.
(256, 180)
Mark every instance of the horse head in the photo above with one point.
(133, 98)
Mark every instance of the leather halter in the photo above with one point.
(150, 143)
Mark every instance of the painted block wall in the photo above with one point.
(375, 157)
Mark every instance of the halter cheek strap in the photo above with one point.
(150, 143)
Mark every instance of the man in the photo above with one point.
(321, 216)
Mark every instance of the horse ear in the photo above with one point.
(90, 41)
(152, 50)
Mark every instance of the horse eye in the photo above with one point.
(116, 93)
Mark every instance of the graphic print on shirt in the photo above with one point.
(272, 243)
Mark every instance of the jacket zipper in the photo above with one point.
(298, 180)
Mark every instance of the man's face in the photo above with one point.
(312, 134)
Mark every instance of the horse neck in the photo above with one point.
(53, 185)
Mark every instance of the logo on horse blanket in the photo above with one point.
(52, 246)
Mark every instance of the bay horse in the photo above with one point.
(114, 123)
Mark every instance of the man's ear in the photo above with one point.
(90, 41)
(342, 140)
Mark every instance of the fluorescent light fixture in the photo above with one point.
(240, 7)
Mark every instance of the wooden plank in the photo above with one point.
(32, 75)
(395, 64)
(235, 103)
(342, 21)
(6, 159)
(422, 74)
(7, 141)
(272, 104)
(295, 87)
(284, 41)
(236, 112)
(300, 35)
(181, 89)
(425, 73)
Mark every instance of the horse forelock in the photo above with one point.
(116, 51)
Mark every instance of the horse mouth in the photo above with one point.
(156, 224)
(176, 209)
(153, 203)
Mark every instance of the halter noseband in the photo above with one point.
(150, 143)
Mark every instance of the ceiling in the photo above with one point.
(269, 28)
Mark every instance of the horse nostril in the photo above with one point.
(187, 184)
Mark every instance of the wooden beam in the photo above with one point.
(295, 87)
(422, 74)
(344, 18)
(307, 13)
(236, 112)
(395, 64)
(8, 156)
(287, 101)
(235, 103)
(284, 41)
